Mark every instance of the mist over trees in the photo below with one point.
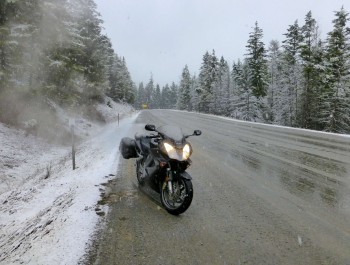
(56, 50)
(304, 81)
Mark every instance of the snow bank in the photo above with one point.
(47, 210)
(110, 110)
(23, 158)
(285, 129)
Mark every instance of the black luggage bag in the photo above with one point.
(127, 148)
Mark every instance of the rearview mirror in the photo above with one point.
(150, 127)
(197, 132)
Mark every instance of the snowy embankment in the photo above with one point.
(47, 210)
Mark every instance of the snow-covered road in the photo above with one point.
(49, 216)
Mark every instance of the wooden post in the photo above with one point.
(118, 119)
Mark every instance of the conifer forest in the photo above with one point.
(302, 81)
(56, 49)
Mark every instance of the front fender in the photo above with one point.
(185, 175)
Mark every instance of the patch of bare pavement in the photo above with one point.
(241, 213)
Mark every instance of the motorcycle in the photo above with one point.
(161, 161)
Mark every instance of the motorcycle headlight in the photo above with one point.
(169, 148)
(186, 151)
(178, 154)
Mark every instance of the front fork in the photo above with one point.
(168, 180)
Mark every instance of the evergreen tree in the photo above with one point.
(256, 59)
(292, 74)
(22, 48)
(156, 98)
(222, 88)
(207, 78)
(120, 83)
(336, 97)
(245, 105)
(184, 97)
(173, 95)
(274, 91)
(149, 92)
(140, 96)
(311, 59)
(194, 93)
(166, 100)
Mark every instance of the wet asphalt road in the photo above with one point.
(262, 195)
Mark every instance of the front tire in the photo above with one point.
(181, 198)
(139, 172)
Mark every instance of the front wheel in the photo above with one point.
(180, 199)
(140, 172)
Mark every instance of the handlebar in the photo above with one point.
(152, 136)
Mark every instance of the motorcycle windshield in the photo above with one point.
(171, 132)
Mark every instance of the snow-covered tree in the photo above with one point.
(173, 95)
(335, 113)
(311, 60)
(194, 93)
(292, 74)
(184, 96)
(207, 78)
(245, 105)
(274, 91)
(149, 92)
(166, 98)
(156, 97)
(221, 92)
(140, 94)
(256, 59)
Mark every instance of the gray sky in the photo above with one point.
(162, 36)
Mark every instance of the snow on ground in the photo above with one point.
(47, 210)
(274, 126)
(111, 109)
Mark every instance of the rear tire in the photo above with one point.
(183, 194)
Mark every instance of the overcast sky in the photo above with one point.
(160, 37)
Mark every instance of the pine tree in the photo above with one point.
(121, 86)
(222, 88)
(256, 59)
(184, 97)
(336, 96)
(245, 106)
(22, 51)
(139, 96)
(156, 98)
(194, 94)
(207, 78)
(166, 100)
(149, 92)
(292, 74)
(173, 95)
(311, 59)
(274, 91)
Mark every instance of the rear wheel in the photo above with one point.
(181, 197)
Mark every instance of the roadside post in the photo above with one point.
(118, 119)
(71, 125)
